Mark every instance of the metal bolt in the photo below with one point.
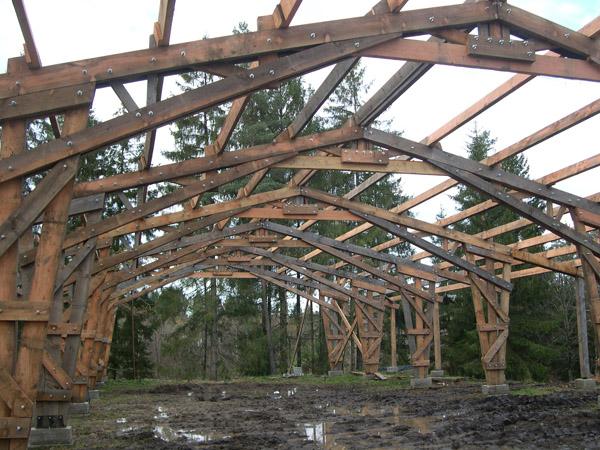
(474, 46)
(38, 312)
(529, 53)
(84, 72)
(508, 10)
(79, 92)
(18, 83)
(567, 35)
(251, 76)
(69, 143)
(271, 72)
(109, 71)
(150, 113)
(182, 53)
(313, 35)
(525, 43)
(11, 168)
(153, 59)
(64, 166)
(489, 39)
(13, 103)
(269, 40)
(22, 406)
(138, 114)
(501, 42)
(476, 38)
(432, 18)
(2, 236)
(19, 428)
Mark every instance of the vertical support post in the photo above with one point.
(28, 367)
(582, 334)
(13, 143)
(492, 316)
(591, 275)
(370, 326)
(393, 339)
(437, 344)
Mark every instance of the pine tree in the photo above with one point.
(533, 324)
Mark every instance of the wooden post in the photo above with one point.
(393, 339)
(582, 334)
(370, 326)
(13, 143)
(437, 344)
(492, 317)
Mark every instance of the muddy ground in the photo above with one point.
(324, 413)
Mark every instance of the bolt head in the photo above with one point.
(251, 76)
(109, 71)
(182, 53)
(313, 35)
(153, 59)
(13, 103)
(151, 113)
(84, 72)
(357, 44)
(432, 18)
(138, 114)
(69, 143)
(269, 40)
(271, 71)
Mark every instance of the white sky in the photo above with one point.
(67, 30)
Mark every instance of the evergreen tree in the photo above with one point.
(531, 350)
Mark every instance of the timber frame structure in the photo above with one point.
(59, 292)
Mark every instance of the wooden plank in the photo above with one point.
(31, 53)
(455, 55)
(40, 104)
(136, 65)
(56, 371)
(175, 107)
(36, 202)
(55, 395)
(162, 27)
(126, 99)
(14, 427)
(14, 397)
(28, 311)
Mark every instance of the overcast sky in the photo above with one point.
(67, 30)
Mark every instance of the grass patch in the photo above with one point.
(535, 390)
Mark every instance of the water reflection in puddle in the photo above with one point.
(162, 414)
(320, 433)
(168, 434)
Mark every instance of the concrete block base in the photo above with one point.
(585, 384)
(421, 383)
(94, 394)
(297, 372)
(436, 373)
(494, 389)
(392, 369)
(43, 437)
(335, 373)
(79, 409)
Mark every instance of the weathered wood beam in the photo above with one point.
(454, 55)
(178, 106)
(168, 172)
(136, 65)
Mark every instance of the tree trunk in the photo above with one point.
(266, 319)
(205, 343)
(312, 338)
(283, 335)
